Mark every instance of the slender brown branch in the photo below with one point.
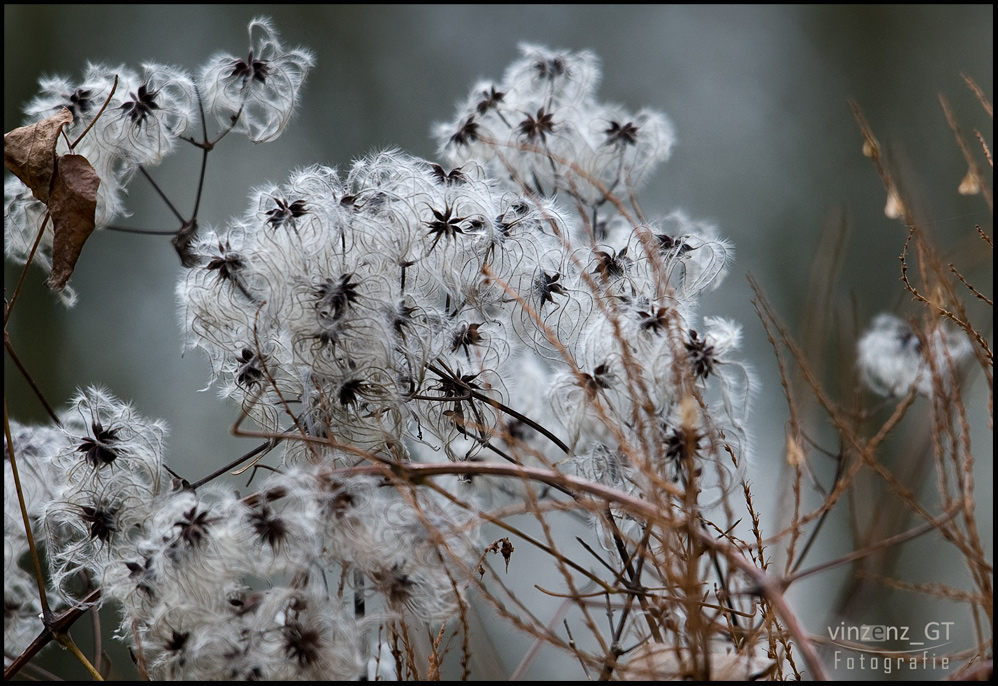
(968, 154)
(8, 346)
(107, 101)
(26, 520)
(977, 293)
(980, 95)
(876, 547)
(24, 271)
(162, 195)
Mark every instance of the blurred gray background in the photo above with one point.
(768, 150)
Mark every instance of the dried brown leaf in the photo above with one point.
(29, 152)
(73, 205)
(506, 551)
(502, 547)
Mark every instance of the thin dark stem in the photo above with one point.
(502, 408)
(726, 600)
(143, 232)
(205, 143)
(31, 382)
(499, 452)
(114, 87)
(162, 195)
(98, 650)
(26, 521)
(633, 582)
(625, 613)
(523, 418)
(24, 271)
(55, 627)
(204, 156)
(39, 673)
(869, 550)
(821, 520)
(266, 446)
(598, 557)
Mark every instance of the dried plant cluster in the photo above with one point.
(445, 364)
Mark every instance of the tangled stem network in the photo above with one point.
(430, 352)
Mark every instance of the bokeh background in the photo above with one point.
(768, 151)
